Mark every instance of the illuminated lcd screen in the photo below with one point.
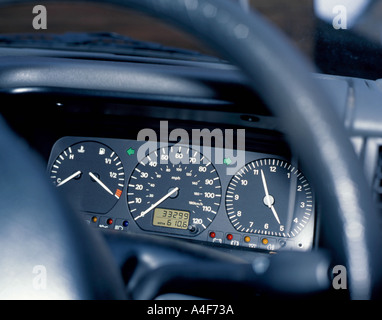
(170, 218)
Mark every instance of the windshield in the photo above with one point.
(339, 39)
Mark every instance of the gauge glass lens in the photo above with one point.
(269, 197)
(174, 190)
(90, 175)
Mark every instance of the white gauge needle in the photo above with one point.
(264, 184)
(269, 199)
(100, 183)
(143, 213)
(275, 214)
(69, 178)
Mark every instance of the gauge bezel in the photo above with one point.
(193, 184)
(285, 217)
(89, 171)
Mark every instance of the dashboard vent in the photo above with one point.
(378, 180)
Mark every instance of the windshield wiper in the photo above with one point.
(100, 42)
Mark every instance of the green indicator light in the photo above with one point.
(227, 161)
(130, 151)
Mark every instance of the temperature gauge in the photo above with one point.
(90, 175)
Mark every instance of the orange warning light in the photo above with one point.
(118, 193)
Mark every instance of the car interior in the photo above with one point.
(238, 169)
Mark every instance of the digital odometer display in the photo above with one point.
(171, 218)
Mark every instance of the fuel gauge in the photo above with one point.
(90, 175)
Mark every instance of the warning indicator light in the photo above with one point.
(130, 151)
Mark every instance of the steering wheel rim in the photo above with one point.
(282, 77)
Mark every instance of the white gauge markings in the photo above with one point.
(269, 211)
(90, 175)
(177, 179)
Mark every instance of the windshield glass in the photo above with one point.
(339, 39)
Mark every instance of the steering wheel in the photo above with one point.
(43, 241)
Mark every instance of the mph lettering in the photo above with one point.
(204, 309)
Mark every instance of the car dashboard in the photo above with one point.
(115, 134)
(176, 190)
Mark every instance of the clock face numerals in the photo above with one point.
(269, 197)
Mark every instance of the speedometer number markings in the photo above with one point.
(173, 183)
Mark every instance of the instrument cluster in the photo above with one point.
(204, 194)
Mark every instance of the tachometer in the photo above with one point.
(174, 190)
(269, 197)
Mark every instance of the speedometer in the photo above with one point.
(174, 190)
(269, 197)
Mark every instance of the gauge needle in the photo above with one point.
(269, 198)
(69, 178)
(100, 183)
(143, 213)
(275, 213)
